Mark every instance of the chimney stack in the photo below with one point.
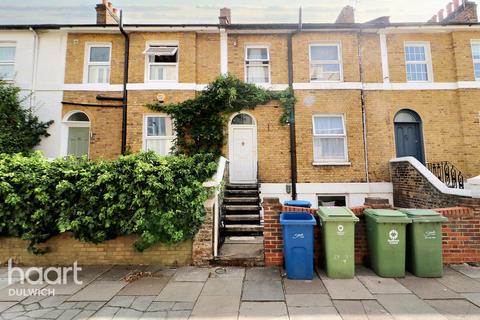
(225, 16)
(106, 13)
(347, 15)
(466, 12)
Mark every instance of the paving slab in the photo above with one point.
(468, 270)
(86, 276)
(105, 313)
(263, 310)
(161, 306)
(459, 282)
(180, 291)
(408, 307)
(141, 303)
(378, 285)
(164, 272)
(155, 315)
(428, 288)
(361, 310)
(216, 307)
(259, 273)
(263, 290)
(347, 289)
(456, 309)
(473, 298)
(53, 301)
(69, 314)
(308, 300)
(116, 273)
(149, 286)
(304, 286)
(127, 314)
(228, 272)
(192, 274)
(98, 291)
(313, 313)
(223, 287)
(185, 306)
(121, 301)
(6, 305)
(178, 315)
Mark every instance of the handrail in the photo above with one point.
(447, 173)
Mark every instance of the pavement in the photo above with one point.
(242, 293)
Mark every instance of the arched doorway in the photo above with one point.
(77, 125)
(408, 135)
(242, 148)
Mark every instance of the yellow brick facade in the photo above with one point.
(450, 117)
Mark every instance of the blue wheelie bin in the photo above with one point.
(298, 244)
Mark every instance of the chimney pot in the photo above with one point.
(106, 13)
(449, 8)
(440, 15)
(347, 15)
(456, 4)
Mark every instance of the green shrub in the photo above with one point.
(159, 198)
(20, 129)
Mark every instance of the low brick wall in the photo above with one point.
(64, 249)
(461, 234)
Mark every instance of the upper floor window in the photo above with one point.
(329, 138)
(162, 62)
(476, 59)
(418, 62)
(7, 61)
(158, 134)
(257, 65)
(325, 62)
(98, 63)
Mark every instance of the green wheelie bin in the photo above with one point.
(424, 243)
(386, 236)
(338, 232)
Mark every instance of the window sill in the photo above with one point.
(346, 163)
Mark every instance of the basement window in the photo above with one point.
(332, 201)
(97, 68)
(476, 58)
(418, 62)
(257, 65)
(325, 62)
(162, 63)
(158, 134)
(7, 61)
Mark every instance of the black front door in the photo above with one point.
(408, 139)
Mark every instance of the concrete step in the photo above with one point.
(250, 186)
(243, 228)
(242, 193)
(241, 208)
(242, 217)
(241, 200)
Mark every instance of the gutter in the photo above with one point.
(125, 81)
(35, 65)
(293, 144)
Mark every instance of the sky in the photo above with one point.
(206, 11)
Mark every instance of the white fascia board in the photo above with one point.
(427, 174)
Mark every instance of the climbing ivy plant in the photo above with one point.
(200, 122)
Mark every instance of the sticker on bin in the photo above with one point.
(430, 235)
(393, 237)
(340, 230)
(298, 236)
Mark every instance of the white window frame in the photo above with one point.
(474, 61)
(145, 130)
(147, 62)
(9, 62)
(343, 161)
(87, 63)
(338, 44)
(427, 61)
(258, 60)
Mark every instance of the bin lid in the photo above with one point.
(424, 215)
(298, 203)
(297, 218)
(336, 214)
(387, 215)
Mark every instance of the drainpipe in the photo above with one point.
(362, 99)
(34, 68)
(125, 81)
(293, 145)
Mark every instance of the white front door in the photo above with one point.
(243, 154)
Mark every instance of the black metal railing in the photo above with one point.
(447, 173)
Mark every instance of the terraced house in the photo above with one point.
(366, 93)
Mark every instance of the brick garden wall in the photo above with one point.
(461, 234)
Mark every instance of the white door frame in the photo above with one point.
(66, 125)
(255, 145)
